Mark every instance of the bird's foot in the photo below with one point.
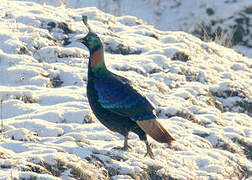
(149, 151)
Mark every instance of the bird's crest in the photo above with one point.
(85, 19)
(91, 40)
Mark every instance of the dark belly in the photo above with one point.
(112, 121)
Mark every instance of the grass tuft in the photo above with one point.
(55, 82)
(221, 36)
(27, 99)
(181, 56)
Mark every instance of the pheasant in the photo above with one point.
(114, 101)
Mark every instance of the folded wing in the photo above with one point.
(118, 96)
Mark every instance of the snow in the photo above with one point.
(230, 19)
(202, 93)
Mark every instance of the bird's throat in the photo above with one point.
(97, 58)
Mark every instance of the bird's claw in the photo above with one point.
(149, 151)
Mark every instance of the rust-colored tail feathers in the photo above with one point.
(156, 131)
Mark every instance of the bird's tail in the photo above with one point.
(153, 128)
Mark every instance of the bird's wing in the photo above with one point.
(117, 95)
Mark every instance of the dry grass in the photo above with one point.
(55, 82)
(27, 99)
(219, 36)
(247, 146)
(79, 169)
(89, 118)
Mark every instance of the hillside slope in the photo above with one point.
(202, 93)
(227, 22)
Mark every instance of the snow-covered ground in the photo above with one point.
(227, 22)
(202, 93)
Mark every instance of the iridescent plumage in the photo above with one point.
(116, 104)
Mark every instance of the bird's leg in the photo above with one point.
(126, 147)
(149, 150)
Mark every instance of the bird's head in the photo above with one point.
(92, 41)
